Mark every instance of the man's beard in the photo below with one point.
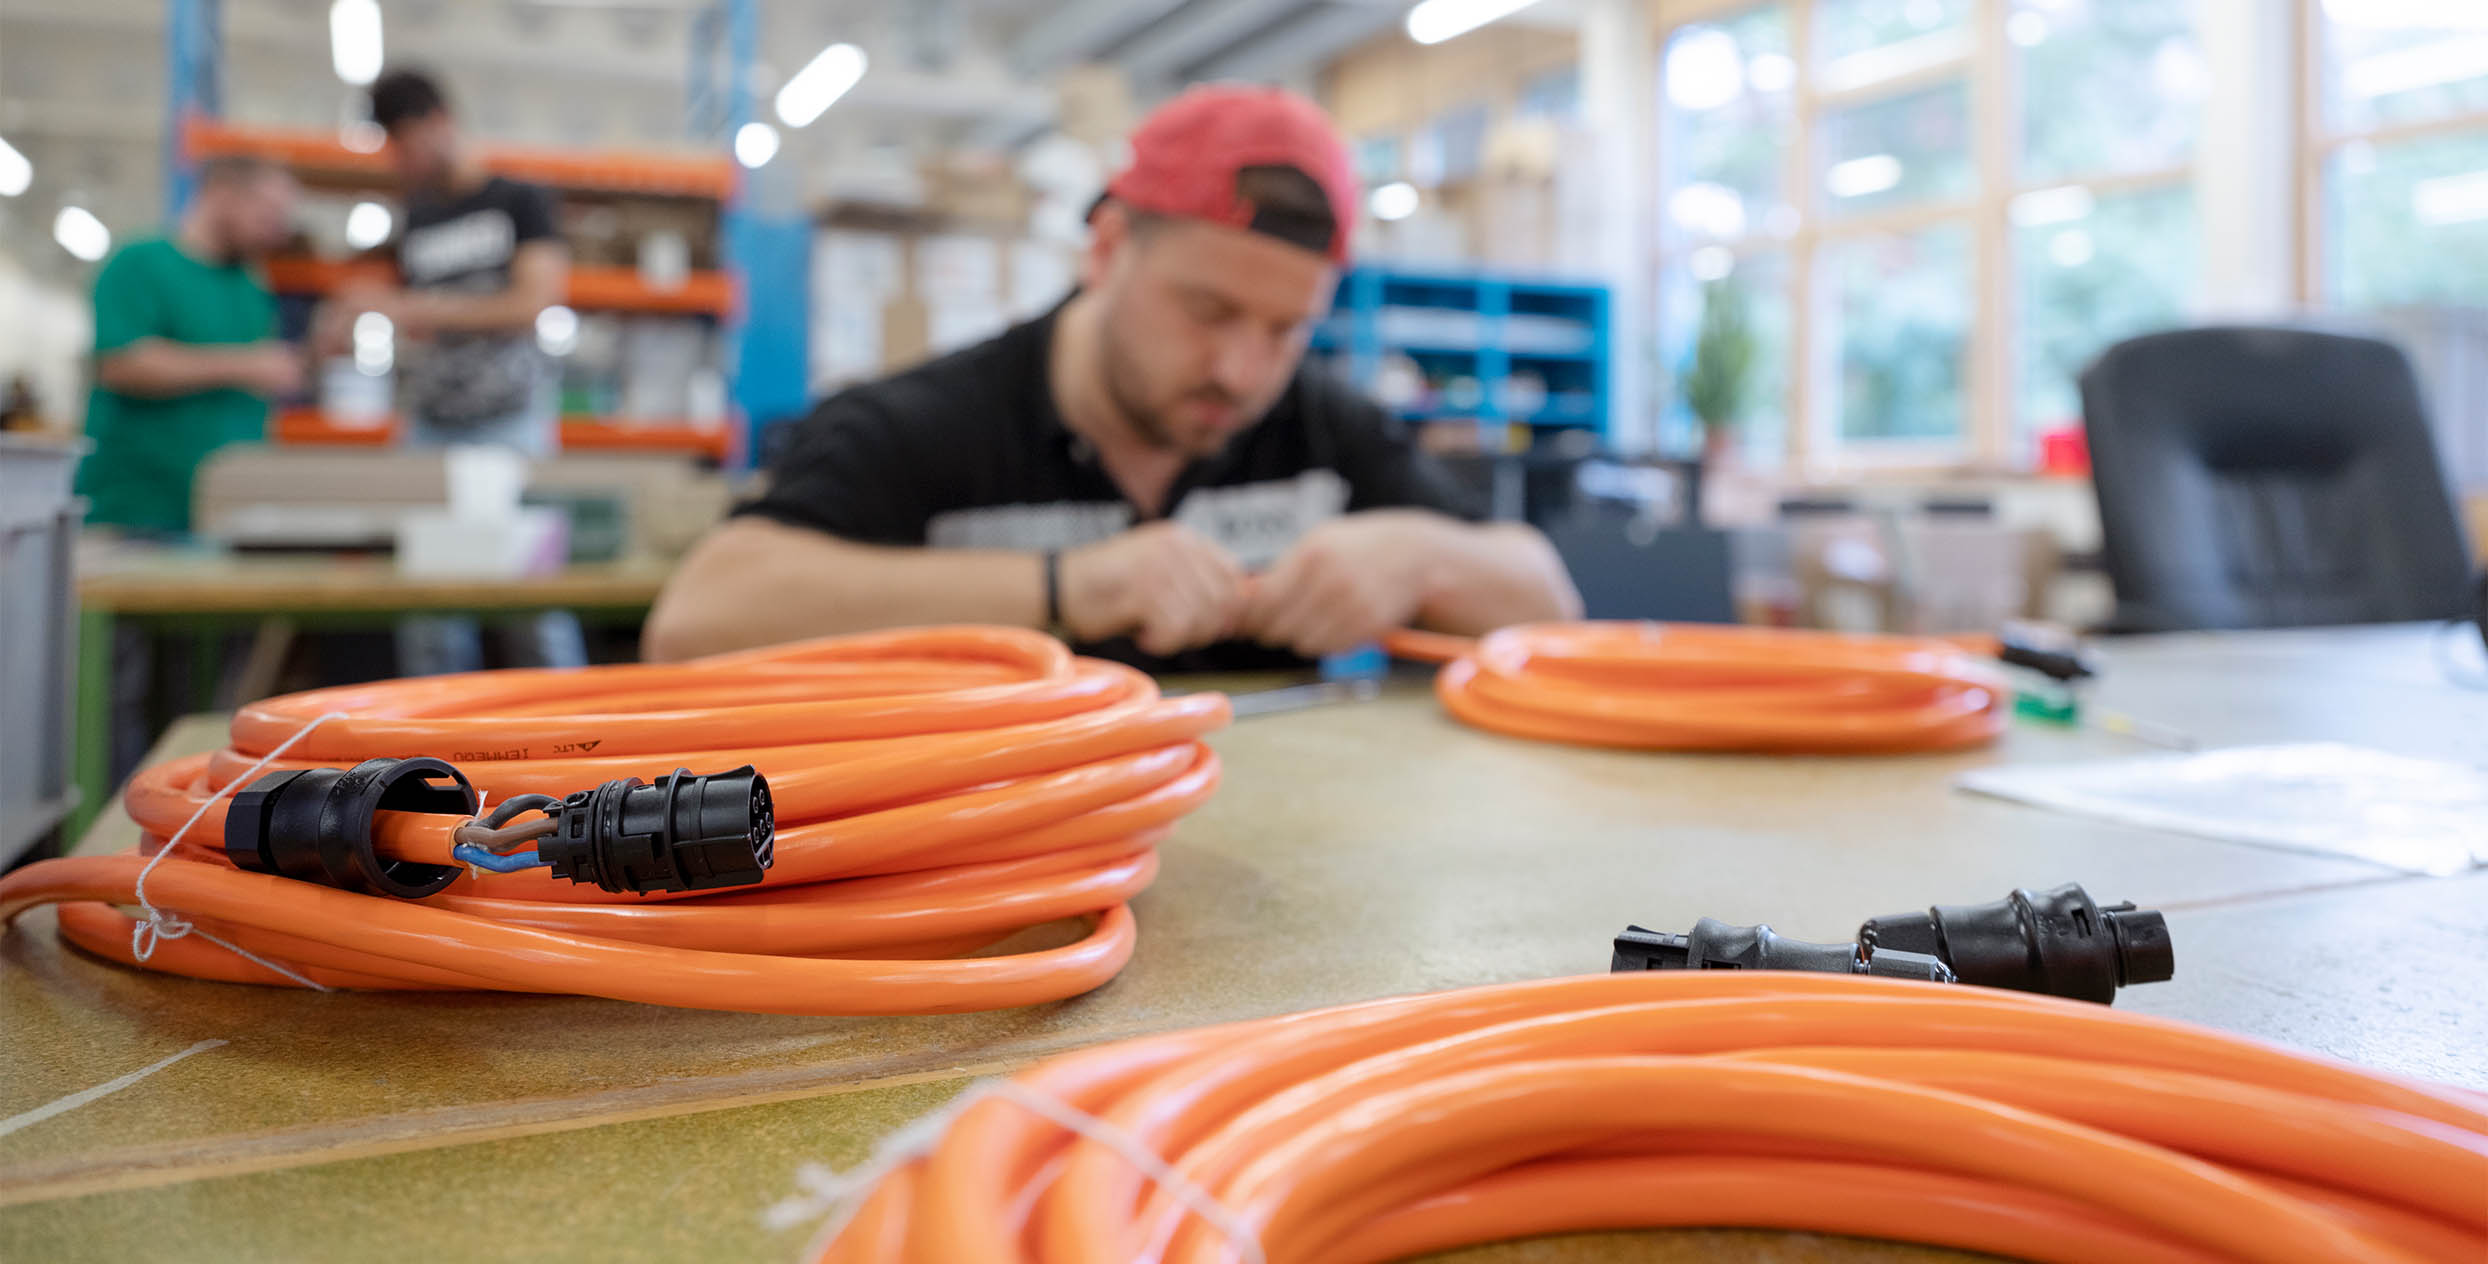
(1152, 426)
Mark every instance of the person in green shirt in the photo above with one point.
(186, 357)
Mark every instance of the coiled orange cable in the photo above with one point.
(938, 790)
(1684, 686)
(1982, 1120)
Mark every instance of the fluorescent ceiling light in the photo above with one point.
(755, 144)
(2424, 65)
(1859, 177)
(2417, 66)
(15, 172)
(1434, 21)
(2456, 199)
(1891, 61)
(1703, 70)
(354, 40)
(1708, 209)
(819, 84)
(557, 330)
(1396, 200)
(375, 344)
(2402, 15)
(2060, 205)
(1771, 72)
(367, 225)
(81, 234)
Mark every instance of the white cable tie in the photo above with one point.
(840, 1195)
(160, 925)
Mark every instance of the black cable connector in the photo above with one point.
(685, 833)
(2057, 942)
(314, 824)
(2058, 658)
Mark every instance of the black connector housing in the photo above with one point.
(314, 824)
(685, 833)
(2063, 661)
(2057, 942)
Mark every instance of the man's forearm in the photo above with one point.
(504, 311)
(757, 582)
(1489, 575)
(160, 368)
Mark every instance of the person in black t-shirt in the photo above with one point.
(481, 258)
(1149, 468)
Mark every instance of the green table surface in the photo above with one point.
(1355, 851)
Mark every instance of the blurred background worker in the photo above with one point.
(1149, 467)
(481, 258)
(186, 355)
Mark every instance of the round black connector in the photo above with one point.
(314, 824)
(684, 833)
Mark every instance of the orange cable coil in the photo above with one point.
(938, 790)
(1685, 686)
(1981, 1120)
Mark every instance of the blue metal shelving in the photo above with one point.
(1471, 327)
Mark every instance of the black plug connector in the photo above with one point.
(2058, 942)
(685, 833)
(2055, 942)
(2058, 658)
(314, 824)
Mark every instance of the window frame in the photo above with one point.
(2318, 143)
(1990, 437)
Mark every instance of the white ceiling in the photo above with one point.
(82, 83)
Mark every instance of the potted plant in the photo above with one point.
(1720, 373)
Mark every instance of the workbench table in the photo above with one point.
(1355, 851)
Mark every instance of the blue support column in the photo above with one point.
(768, 244)
(194, 85)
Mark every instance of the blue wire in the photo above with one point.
(493, 861)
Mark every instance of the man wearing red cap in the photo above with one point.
(1148, 468)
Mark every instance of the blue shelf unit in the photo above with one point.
(1492, 349)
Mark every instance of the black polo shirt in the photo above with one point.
(967, 451)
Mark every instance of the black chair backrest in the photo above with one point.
(2268, 478)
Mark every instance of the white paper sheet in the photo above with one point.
(2415, 815)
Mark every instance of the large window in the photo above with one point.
(1929, 213)
(2400, 152)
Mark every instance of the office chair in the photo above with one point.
(2269, 478)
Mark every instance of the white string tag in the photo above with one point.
(159, 925)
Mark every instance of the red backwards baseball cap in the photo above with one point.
(1187, 155)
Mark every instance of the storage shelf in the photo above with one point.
(578, 434)
(1553, 415)
(592, 289)
(1483, 325)
(320, 157)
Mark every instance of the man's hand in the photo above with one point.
(271, 370)
(1348, 581)
(1162, 583)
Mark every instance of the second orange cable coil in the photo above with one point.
(1682, 686)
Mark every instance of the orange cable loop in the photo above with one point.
(938, 790)
(1686, 686)
(1981, 1120)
